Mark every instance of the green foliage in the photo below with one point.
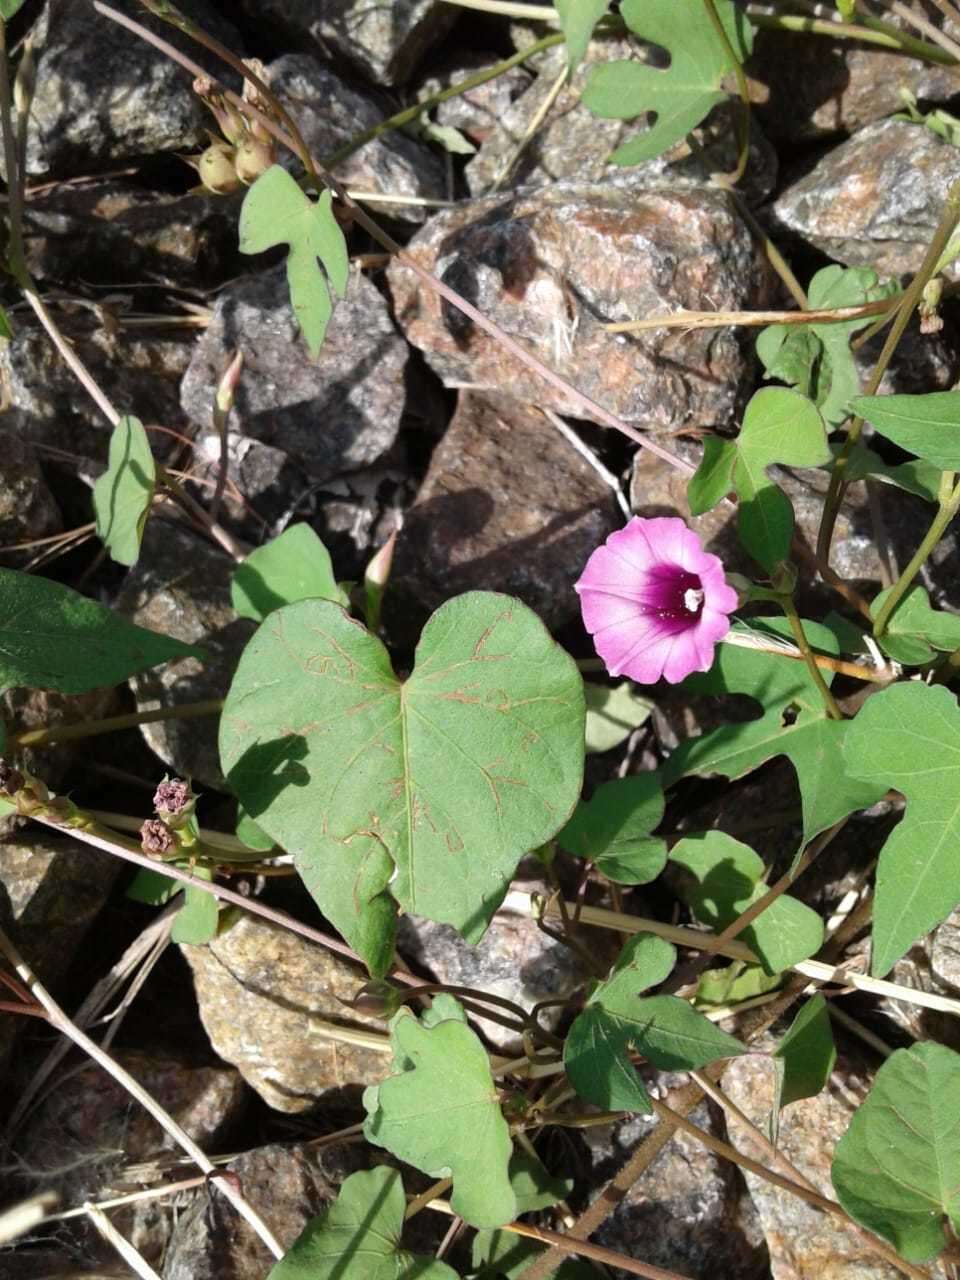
(682, 94)
(294, 566)
(733, 983)
(896, 1170)
(778, 426)
(613, 829)
(440, 1112)
(722, 879)
(424, 793)
(666, 1030)
(794, 724)
(928, 426)
(816, 358)
(914, 630)
(804, 1058)
(122, 495)
(908, 737)
(54, 638)
(612, 714)
(916, 476)
(275, 211)
(577, 19)
(253, 837)
(9, 7)
(359, 1236)
(196, 921)
(501, 1253)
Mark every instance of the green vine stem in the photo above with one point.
(48, 735)
(803, 644)
(910, 300)
(743, 117)
(877, 32)
(949, 506)
(409, 114)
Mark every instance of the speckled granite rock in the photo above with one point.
(803, 87)
(874, 200)
(28, 509)
(52, 888)
(258, 988)
(125, 234)
(573, 144)
(180, 587)
(483, 522)
(804, 1243)
(688, 1213)
(103, 94)
(477, 111)
(329, 111)
(550, 267)
(385, 42)
(333, 414)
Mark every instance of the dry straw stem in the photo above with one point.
(134, 1260)
(701, 940)
(720, 319)
(67, 1027)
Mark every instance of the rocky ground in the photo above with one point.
(414, 420)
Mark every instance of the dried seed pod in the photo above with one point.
(252, 159)
(216, 169)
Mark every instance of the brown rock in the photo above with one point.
(550, 267)
(507, 505)
(803, 88)
(876, 199)
(259, 987)
(804, 1242)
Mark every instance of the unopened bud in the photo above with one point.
(228, 383)
(376, 999)
(216, 169)
(252, 159)
(156, 838)
(24, 84)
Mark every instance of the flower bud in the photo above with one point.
(156, 839)
(216, 169)
(173, 798)
(252, 159)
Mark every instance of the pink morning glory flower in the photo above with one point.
(654, 601)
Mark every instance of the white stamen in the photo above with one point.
(692, 599)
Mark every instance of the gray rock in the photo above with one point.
(103, 94)
(121, 234)
(931, 965)
(51, 410)
(259, 987)
(572, 144)
(874, 200)
(476, 112)
(384, 41)
(329, 112)
(688, 1212)
(804, 88)
(551, 266)
(180, 587)
(28, 509)
(803, 1241)
(481, 522)
(514, 959)
(333, 414)
(52, 888)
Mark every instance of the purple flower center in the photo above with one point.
(674, 596)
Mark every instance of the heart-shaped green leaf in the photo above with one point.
(612, 829)
(434, 786)
(122, 495)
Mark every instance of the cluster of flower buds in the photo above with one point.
(31, 797)
(245, 150)
(165, 835)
